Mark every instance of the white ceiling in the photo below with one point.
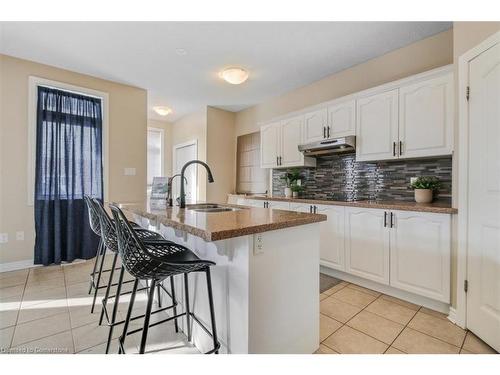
(280, 56)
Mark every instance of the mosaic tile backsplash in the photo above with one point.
(340, 177)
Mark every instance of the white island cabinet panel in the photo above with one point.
(426, 118)
(367, 244)
(420, 254)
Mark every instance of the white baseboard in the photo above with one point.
(20, 265)
(452, 316)
(389, 290)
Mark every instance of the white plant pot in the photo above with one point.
(423, 195)
(288, 192)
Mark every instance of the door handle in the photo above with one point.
(393, 148)
(277, 160)
(315, 209)
(385, 219)
(324, 131)
(328, 132)
(400, 147)
(392, 220)
(280, 161)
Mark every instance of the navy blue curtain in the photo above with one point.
(68, 166)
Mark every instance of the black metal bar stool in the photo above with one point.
(96, 274)
(108, 233)
(155, 261)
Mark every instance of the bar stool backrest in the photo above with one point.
(95, 224)
(108, 229)
(134, 256)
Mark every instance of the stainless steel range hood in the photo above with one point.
(329, 146)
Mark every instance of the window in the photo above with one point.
(155, 154)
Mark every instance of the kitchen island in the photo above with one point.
(266, 278)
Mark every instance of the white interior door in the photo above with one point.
(483, 263)
(182, 154)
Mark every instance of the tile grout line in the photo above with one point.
(399, 334)
(69, 314)
(344, 324)
(19, 309)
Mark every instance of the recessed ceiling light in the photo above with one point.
(162, 111)
(234, 76)
(181, 51)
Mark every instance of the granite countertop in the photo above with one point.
(217, 226)
(435, 207)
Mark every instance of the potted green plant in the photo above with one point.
(424, 187)
(296, 189)
(290, 177)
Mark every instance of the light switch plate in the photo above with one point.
(4, 237)
(129, 172)
(258, 244)
(20, 235)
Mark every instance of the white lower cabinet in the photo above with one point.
(332, 246)
(420, 254)
(404, 249)
(367, 244)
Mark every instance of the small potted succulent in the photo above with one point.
(291, 177)
(424, 187)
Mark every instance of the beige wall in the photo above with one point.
(424, 55)
(221, 153)
(127, 146)
(167, 143)
(466, 35)
(188, 128)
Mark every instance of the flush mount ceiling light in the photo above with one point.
(234, 76)
(162, 111)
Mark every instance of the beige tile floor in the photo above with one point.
(356, 320)
(47, 310)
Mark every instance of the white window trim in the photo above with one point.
(162, 156)
(33, 83)
(463, 172)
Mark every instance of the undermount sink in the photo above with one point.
(211, 207)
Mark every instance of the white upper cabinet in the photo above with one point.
(315, 123)
(420, 254)
(367, 244)
(279, 144)
(270, 136)
(377, 126)
(342, 119)
(291, 137)
(426, 118)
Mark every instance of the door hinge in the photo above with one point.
(466, 285)
(467, 93)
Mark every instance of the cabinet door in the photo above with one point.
(342, 119)
(269, 145)
(279, 205)
(367, 244)
(332, 246)
(426, 118)
(314, 125)
(420, 254)
(377, 126)
(300, 207)
(291, 137)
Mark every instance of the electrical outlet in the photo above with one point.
(258, 244)
(4, 237)
(20, 236)
(129, 171)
